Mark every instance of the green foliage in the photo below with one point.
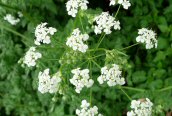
(147, 71)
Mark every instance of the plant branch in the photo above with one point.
(133, 89)
(130, 46)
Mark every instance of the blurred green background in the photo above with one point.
(145, 69)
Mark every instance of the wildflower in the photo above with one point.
(47, 83)
(125, 3)
(81, 79)
(73, 6)
(20, 14)
(11, 19)
(42, 33)
(111, 75)
(76, 41)
(148, 37)
(44, 81)
(31, 57)
(55, 83)
(104, 23)
(86, 110)
(141, 107)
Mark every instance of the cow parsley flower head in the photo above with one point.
(42, 33)
(86, 110)
(141, 107)
(81, 79)
(47, 83)
(148, 37)
(11, 19)
(125, 3)
(44, 81)
(76, 41)
(104, 23)
(73, 6)
(55, 83)
(31, 57)
(111, 75)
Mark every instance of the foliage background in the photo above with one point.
(150, 70)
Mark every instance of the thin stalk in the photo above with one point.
(133, 89)
(81, 23)
(98, 56)
(83, 63)
(90, 67)
(13, 31)
(9, 7)
(96, 63)
(98, 49)
(126, 94)
(117, 10)
(165, 89)
(130, 46)
(101, 39)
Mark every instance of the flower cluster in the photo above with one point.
(42, 33)
(86, 110)
(141, 107)
(76, 41)
(104, 23)
(148, 37)
(31, 57)
(111, 75)
(80, 79)
(47, 83)
(11, 19)
(125, 3)
(73, 6)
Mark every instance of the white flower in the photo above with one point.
(86, 110)
(142, 107)
(55, 83)
(31, 57)
(125, 3)
(84, 104)
(42, 33)
(131, 113)
(111, 75)
(48, 84)
(20, 14)
(104, 23)
(74, 5)
(11, 19)
(76, 41)
(112, 2)
(81, 79)
(148, 37)
(44, 81)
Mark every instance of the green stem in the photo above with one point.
(117, 10)
(101, 39)
(9, 7)
(90, 67)
(13, 31)
(83, 63)
(98, 49)
(96, 63)
(130, 46)
(98, 56)
(166, 88)
(133, 89)
(126, 94)
(52, 59)
(81, 23)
